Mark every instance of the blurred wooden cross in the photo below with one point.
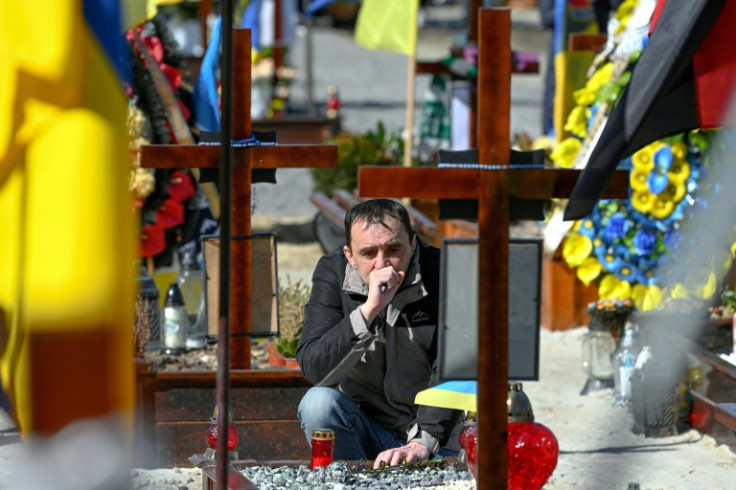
(246, 159)
(493, 184)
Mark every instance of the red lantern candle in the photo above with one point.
(468, 440)
(232, 437)
(323, 445)
(532, 455)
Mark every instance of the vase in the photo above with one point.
(275, 359)
(291, 363)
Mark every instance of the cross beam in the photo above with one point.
(492, 189)
(244, 160)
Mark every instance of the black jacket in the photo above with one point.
(384, 365)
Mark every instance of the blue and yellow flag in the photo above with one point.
(68, 247)
(388, 25)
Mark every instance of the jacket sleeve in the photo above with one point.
(331, 341)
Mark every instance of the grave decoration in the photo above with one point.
(619, 245)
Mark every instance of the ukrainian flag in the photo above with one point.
(68, 230)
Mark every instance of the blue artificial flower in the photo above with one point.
(587, 228)
(626, 271)
(657, 182)
(663, 159)
(622, 251)
(616, 228)
(610, 262)
(645, 242)
(648, 277)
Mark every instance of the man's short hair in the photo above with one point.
(375, 211)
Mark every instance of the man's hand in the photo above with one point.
(411, 452)
(378, 299)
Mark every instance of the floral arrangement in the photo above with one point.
(628, 247)
(614, 311)
(270, 86)
(159, 195)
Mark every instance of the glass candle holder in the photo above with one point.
(323, 446)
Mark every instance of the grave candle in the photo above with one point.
(323, 445)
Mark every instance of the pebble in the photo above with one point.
(339, 476)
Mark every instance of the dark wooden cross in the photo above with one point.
(245, 160)
(492, 189)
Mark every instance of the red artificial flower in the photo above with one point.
(181, 186)
(153, 241)
(170, 213)
(172, 75)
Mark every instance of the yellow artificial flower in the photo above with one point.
(576, 249)
(642, 201)
(589, 270)
(646, 297)
(584, 96)
(644, 158)
(679, 170)
(706, 287)
(638, 179)
(661, 207)
(675, 191)
(577, 121)
(678, 291)
(565, 153)
(679, 149)
(612, 287)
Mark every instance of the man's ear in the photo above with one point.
(348, 255)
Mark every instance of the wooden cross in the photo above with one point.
(492, 189)
(245, 159)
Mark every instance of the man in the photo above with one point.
(369, 342)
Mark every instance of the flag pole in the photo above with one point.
(410, 84)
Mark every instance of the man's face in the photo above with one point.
(379, 246)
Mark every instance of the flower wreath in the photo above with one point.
(623, 242)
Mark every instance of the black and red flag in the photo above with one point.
(683, 80)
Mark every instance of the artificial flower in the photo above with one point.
(642, 201)
(589, 270)
(576, 249)
(565, 153)
(616, 227)
(577, 121)
(645, 242)
(679, 170)
(644, 158)
(613, 287)
(662, 207)
(638, 179)
(586, 95)
(646, 298)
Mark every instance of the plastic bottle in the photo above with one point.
(191, 283)
(624, 360)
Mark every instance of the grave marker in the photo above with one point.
(492, 184)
